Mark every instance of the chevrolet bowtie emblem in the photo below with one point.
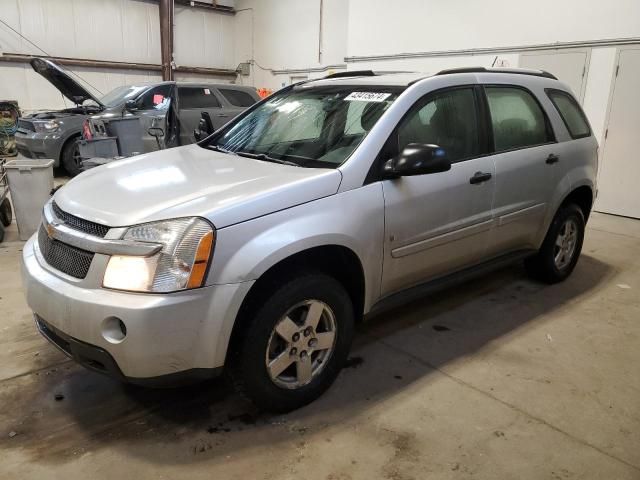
(50, 230)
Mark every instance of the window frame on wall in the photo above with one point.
(550, 133)
(572, 100)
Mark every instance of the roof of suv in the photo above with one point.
(404, 79)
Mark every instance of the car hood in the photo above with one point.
(60, 79)
(191, 181)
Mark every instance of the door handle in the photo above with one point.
(222, 115)
(551, 159)
(480, 177)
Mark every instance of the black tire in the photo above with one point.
(6, 215)
(543, 266)
(70, 157)
(248, 367)
(1, 233)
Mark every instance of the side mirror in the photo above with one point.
(418, 159)
(131, 105)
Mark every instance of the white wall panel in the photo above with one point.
(381, 27)
(203, 38)
(119, 30)
(116, 30)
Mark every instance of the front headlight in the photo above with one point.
(187, 245)
(46, 125)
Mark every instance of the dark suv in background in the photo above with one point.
(54, 134)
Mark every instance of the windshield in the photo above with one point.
(122, 94)
(308, 126)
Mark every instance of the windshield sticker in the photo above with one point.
(207, 91)
(367, 97)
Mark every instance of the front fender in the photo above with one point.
(352, 219)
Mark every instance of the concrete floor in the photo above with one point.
(499, 378)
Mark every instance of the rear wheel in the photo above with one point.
(295, 344)
(1, 232)
(561, 248)
(6, 216)
(70, 157)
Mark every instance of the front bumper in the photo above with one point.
(167, 334)
(39, 145)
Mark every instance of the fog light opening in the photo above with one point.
(114, 330)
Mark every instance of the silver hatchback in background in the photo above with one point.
(259, 248)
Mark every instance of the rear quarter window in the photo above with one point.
(572, 115)
(237, 98)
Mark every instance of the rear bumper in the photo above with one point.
(39, 145)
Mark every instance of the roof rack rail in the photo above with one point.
(519, 71)
(352, 73)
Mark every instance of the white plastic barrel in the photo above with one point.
(30, 185)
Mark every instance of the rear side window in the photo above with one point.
(237, 98)
(571, 113)
(197, 97)
(516, 118)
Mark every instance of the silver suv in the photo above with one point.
(261, 247)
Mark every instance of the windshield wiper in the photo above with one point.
(222, 150)
(266, 158)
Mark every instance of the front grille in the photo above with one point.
(26, 125)
(81, 224)
(70, 260)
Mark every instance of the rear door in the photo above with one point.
(528, 166)
(438, 223)
(192, 101)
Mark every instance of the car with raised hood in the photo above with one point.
(175, 107)
(258, 249)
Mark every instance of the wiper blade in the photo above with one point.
(223, 150)
(266, 158)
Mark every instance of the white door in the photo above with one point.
(619, 173)
(569, 67)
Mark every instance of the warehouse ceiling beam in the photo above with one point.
(149, 67)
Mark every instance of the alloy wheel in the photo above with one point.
(565, 245)
(301, 344)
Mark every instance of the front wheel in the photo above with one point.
(296, 343)
(71, 160)
(561, 248)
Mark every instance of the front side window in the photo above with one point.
(311, 127)
(571, 113)
(516, 118)
(197, 98)
(449, 120)
(156, 98)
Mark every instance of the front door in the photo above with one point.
(438, 223)
(153, 106)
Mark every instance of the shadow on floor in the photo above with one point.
(211, 420)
